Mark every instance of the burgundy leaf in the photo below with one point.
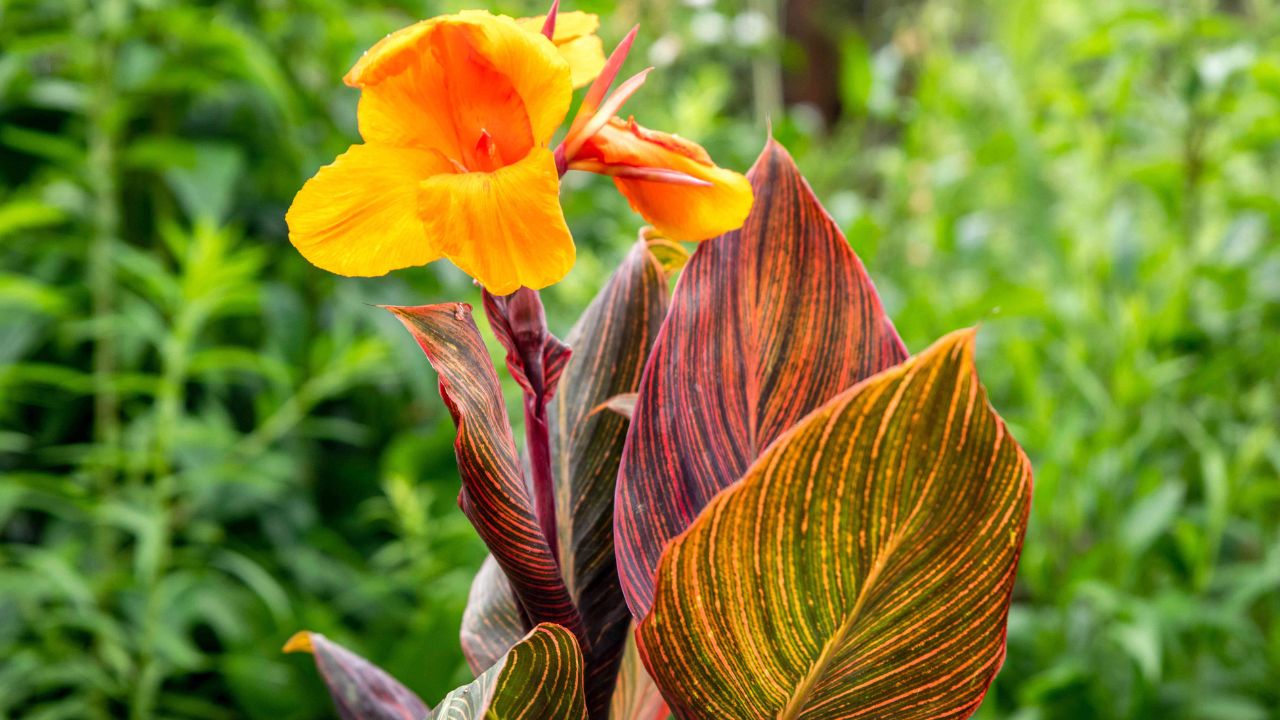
(535, 358)
(611, 342)
(360, 689)
(767, 323)
(494, 497)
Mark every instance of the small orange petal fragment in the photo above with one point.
(300, 642)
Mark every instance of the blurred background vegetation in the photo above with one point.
(206, 444)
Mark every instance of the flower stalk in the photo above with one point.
(535, 358)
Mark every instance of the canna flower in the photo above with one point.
(680, 211)
(456, 113)
(576, 40)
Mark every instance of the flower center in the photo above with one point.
(488, 157)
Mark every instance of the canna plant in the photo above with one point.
(741, 498)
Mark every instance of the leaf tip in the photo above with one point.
(459, 310)
(773, 159)
(300, 642)
(956, 347)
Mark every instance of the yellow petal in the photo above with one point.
(503, 228)
(358, 215)
(437, 83)
(585, 56)
(300, 642)
(569, 25)
(577, 42)
(680, 212)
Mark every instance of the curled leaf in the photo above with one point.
(611, 341)
(540, 677)
(494, 496)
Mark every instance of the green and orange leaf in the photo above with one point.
(862, 568)
(494, 497)
(539, 678)
(766, 324)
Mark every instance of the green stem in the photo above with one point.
(103, 143)
(102, 139)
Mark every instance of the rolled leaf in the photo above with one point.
(766, 323)
(611, 342)
(360, 689)
(535, 358)
(863, 566)
(494, 496)
(540, 678)
(492, 622)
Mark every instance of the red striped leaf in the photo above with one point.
(494, 496)
(614, 336)
(862, 568)
(535, 358)
(767, 323)
(611, 342)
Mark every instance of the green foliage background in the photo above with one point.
(205, 443)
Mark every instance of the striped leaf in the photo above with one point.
(360, 689)
(612, 339)
(539, 678)
(610, 343)
(766, 323)
(494, 496)
(535, 358)
(636, 696)
(492, 622)
(862, 568)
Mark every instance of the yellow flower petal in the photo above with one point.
(680, 212)
(438, 83)
(358, 215)
(577, 42)
(504, 228)
(585, 56)
(300, 642)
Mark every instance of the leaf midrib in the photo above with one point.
(796, 703)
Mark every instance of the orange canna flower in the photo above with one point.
(576, 40)
(710, 201)
(456, 113)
